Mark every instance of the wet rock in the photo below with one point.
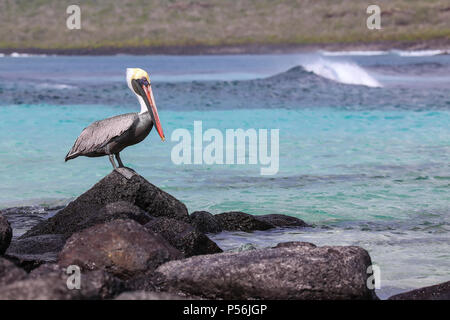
(292, 272)
(437, 292)
(121, 247)
(240, 221)
(183, 236)
(146, 295)
(205, 222)
(31, 252)
(89, 208)
(296, 244)
(5, 234)
(24, 218)
(244, 247)
(9, 272)
(281, 220)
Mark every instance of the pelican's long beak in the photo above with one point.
(151, 100)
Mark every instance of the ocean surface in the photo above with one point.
(364, 144)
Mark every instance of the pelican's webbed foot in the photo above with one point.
(126, 172)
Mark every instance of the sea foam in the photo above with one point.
(343, 72)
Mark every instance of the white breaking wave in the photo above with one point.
(343, 72)
(401, 53)
(353, 53)
(25, 55)
(418, 53)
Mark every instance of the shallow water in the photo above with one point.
(364, 144)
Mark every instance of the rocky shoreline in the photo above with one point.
(250, 48)
(133, 241)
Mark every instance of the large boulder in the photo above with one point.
(121, 247)
(31, 252)
(50, 282)
(282, 221)
(9, 272)
(240, 221)
(5, 234)
(183, 236)
(105, 202)
(205, 222)
(437, 292)
(291, 272)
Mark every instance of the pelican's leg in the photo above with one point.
(124, 171)
(119, 161)
(112, 161)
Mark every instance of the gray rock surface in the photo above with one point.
(105, 202)
(9, 272)
(121, 247)
(5, 234)
(287, 272)
(183, 236)
(437, 292)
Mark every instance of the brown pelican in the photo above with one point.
(110, 136)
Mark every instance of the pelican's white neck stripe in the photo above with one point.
(142, 103)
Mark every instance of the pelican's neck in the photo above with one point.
(142, 103)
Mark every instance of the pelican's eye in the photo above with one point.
(143, 82)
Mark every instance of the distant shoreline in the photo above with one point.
(442, 44)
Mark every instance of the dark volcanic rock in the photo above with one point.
(295, 244)
(183, 236)
(292, 272)
(146, 295)
(121, 247)
(240, 221)
(205, 222)
(49, 282)
(9, 272)
(96, 284)
(44, 288)
(281, 220)
(5, 234)
(89, 208)
(31, 252)
(437, 292)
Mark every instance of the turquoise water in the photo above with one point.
(334, 165)
(367, 162)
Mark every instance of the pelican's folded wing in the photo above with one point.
(100, 133)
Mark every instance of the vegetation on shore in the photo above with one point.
(165, 23)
